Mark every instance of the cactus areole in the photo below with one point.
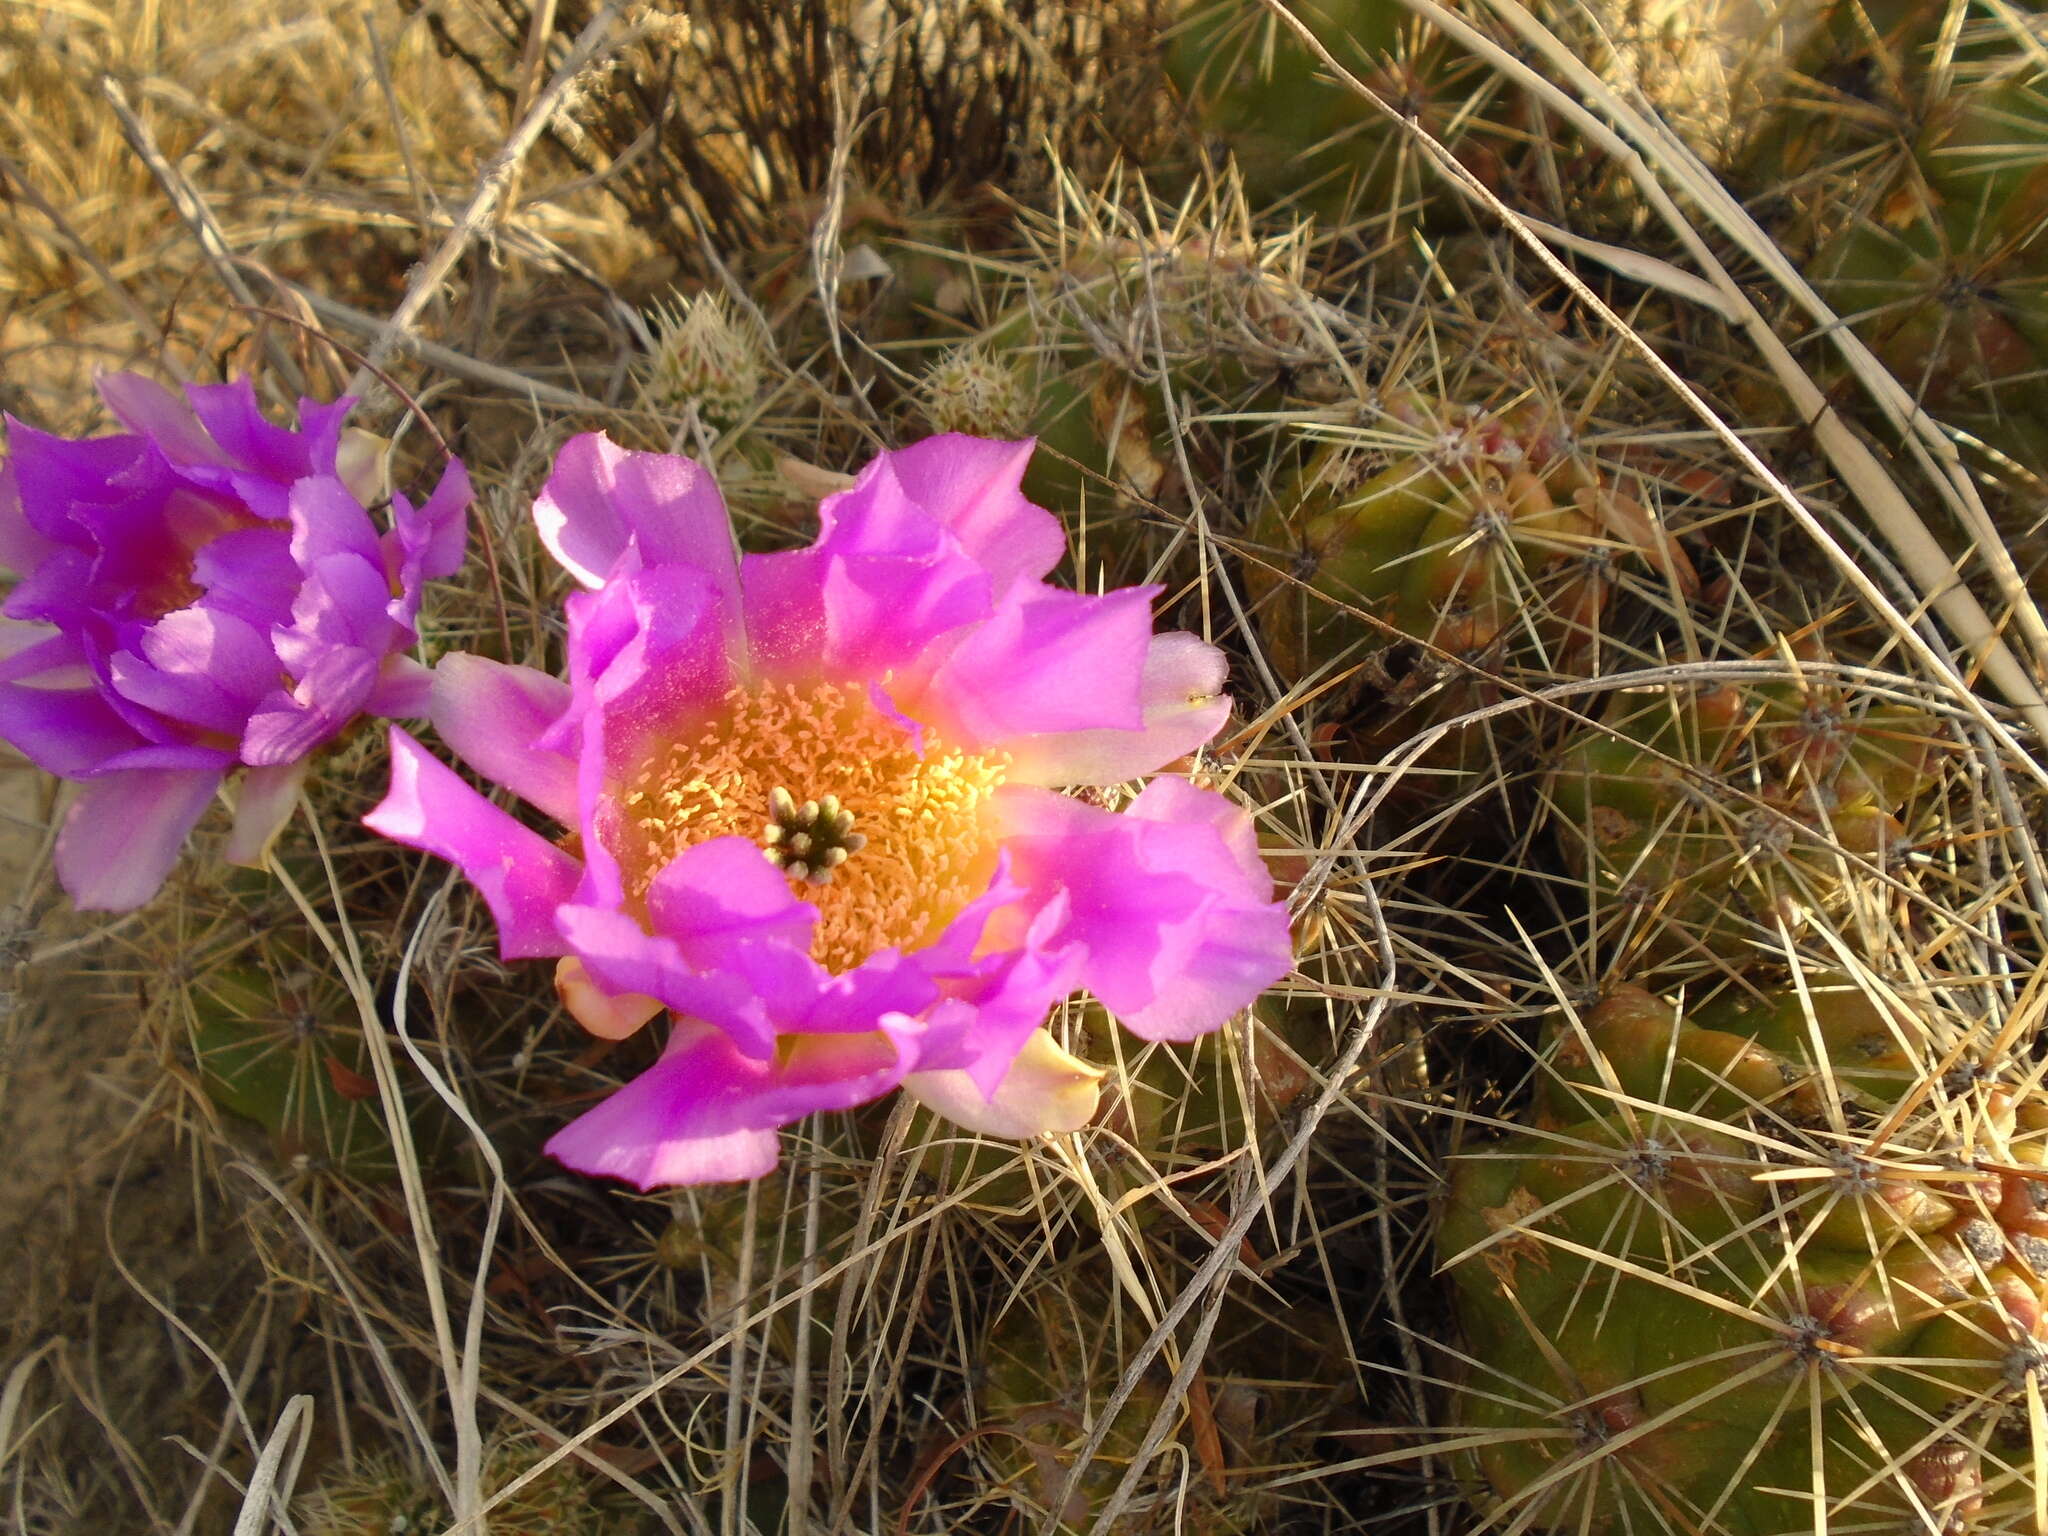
(1755, 1271)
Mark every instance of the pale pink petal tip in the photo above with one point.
(1047, 1089)
(604, 1014)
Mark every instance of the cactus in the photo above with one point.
(1910, 159)
(1052, 1359)
(1451, 547)
(705, 357)
(1755, 1273)
(1307, 142)
(1705, 818)
(289, 1055)
(381, 1497)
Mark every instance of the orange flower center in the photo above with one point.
(887, 843)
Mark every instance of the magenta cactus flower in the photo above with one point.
(203, 593)
(813, 811)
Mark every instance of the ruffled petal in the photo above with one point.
(145, 407)
(404, 690)
(705, 1113)
(70, 732)
(883, 581)
(287, 726)
(124, 832)
(492, 716)
(1184, 706)
(36, 650)
(1053, 662)
(326, 519)
(22, 548)
(522, 876)
(1169, 902)
(717, 895)
(1045, 1089)
(602, 500)
(973, 486)
(277, 455)
(201, 666)
(433, 537)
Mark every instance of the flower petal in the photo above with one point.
(1055, 661)
(1168, 901)
(883, 580)
(492, 715)
(289, 725)
(146, 408)
(433, 537)
(263, 804)
(522, 876)
(404, 690)
(972, 485)
(705, 1113)
(602, 500)
(124, 832)
(200, 666)
(607, 1016)
(1184, 706)
(717, 894)
(66, 731)
(1046, 1089)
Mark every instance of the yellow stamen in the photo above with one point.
(923, 849)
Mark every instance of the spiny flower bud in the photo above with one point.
(705, 356)
(974, 390)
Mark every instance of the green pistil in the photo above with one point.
(809, 840)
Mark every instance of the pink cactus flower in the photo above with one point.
(203, 593)
(814, 807)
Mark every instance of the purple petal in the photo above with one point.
(286, 726)
(263, 804)
(231, 416)
(66, 731)
(35, 650)
(145, 407)
(706, 1113)
(883, 580)
(342, 602)
(404, 690)
(200, 666)
(522, 876)
(1184, 706)
(123, 833)
(647, 655)
(492, 715)
(971, 484)
(602, 500)
(624, 959)
(978, 1029)
(250, 572)
(326, 519)
(1054, 662)
(168, 754)
(54, 476)
(433, 538)
(22, 548)
(721, 893)
(1169, 901)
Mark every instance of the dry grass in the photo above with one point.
(1216, 1309)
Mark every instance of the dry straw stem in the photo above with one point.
(1881, 496)
(493, 183)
